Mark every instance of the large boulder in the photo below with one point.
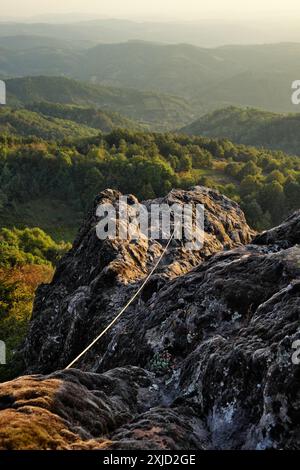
(96, 278)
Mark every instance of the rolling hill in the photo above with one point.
(26, 123)
(59, 122)
(160, 111)
(251, 127)
(89, 117)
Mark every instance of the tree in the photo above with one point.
(201, 158)
(249, 169)
(292, 193)
(276, 175)
(233, 169)
(272, 199)
(254, 213)
(185, 163)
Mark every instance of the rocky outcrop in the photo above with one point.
(96, 278)
(202, 361)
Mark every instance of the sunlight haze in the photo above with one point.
(156, 9)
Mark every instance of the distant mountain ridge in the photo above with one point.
(203, 33)
(256, 76)
(23, 42)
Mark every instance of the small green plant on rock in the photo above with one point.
(161, 362)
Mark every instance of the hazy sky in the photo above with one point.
(180, 9)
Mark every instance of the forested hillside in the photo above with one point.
(60, 122)
(23, 122)
(251, 127)
(159, 111)
(94, 118)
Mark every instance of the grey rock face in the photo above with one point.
(208, 345)
(96, 278)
